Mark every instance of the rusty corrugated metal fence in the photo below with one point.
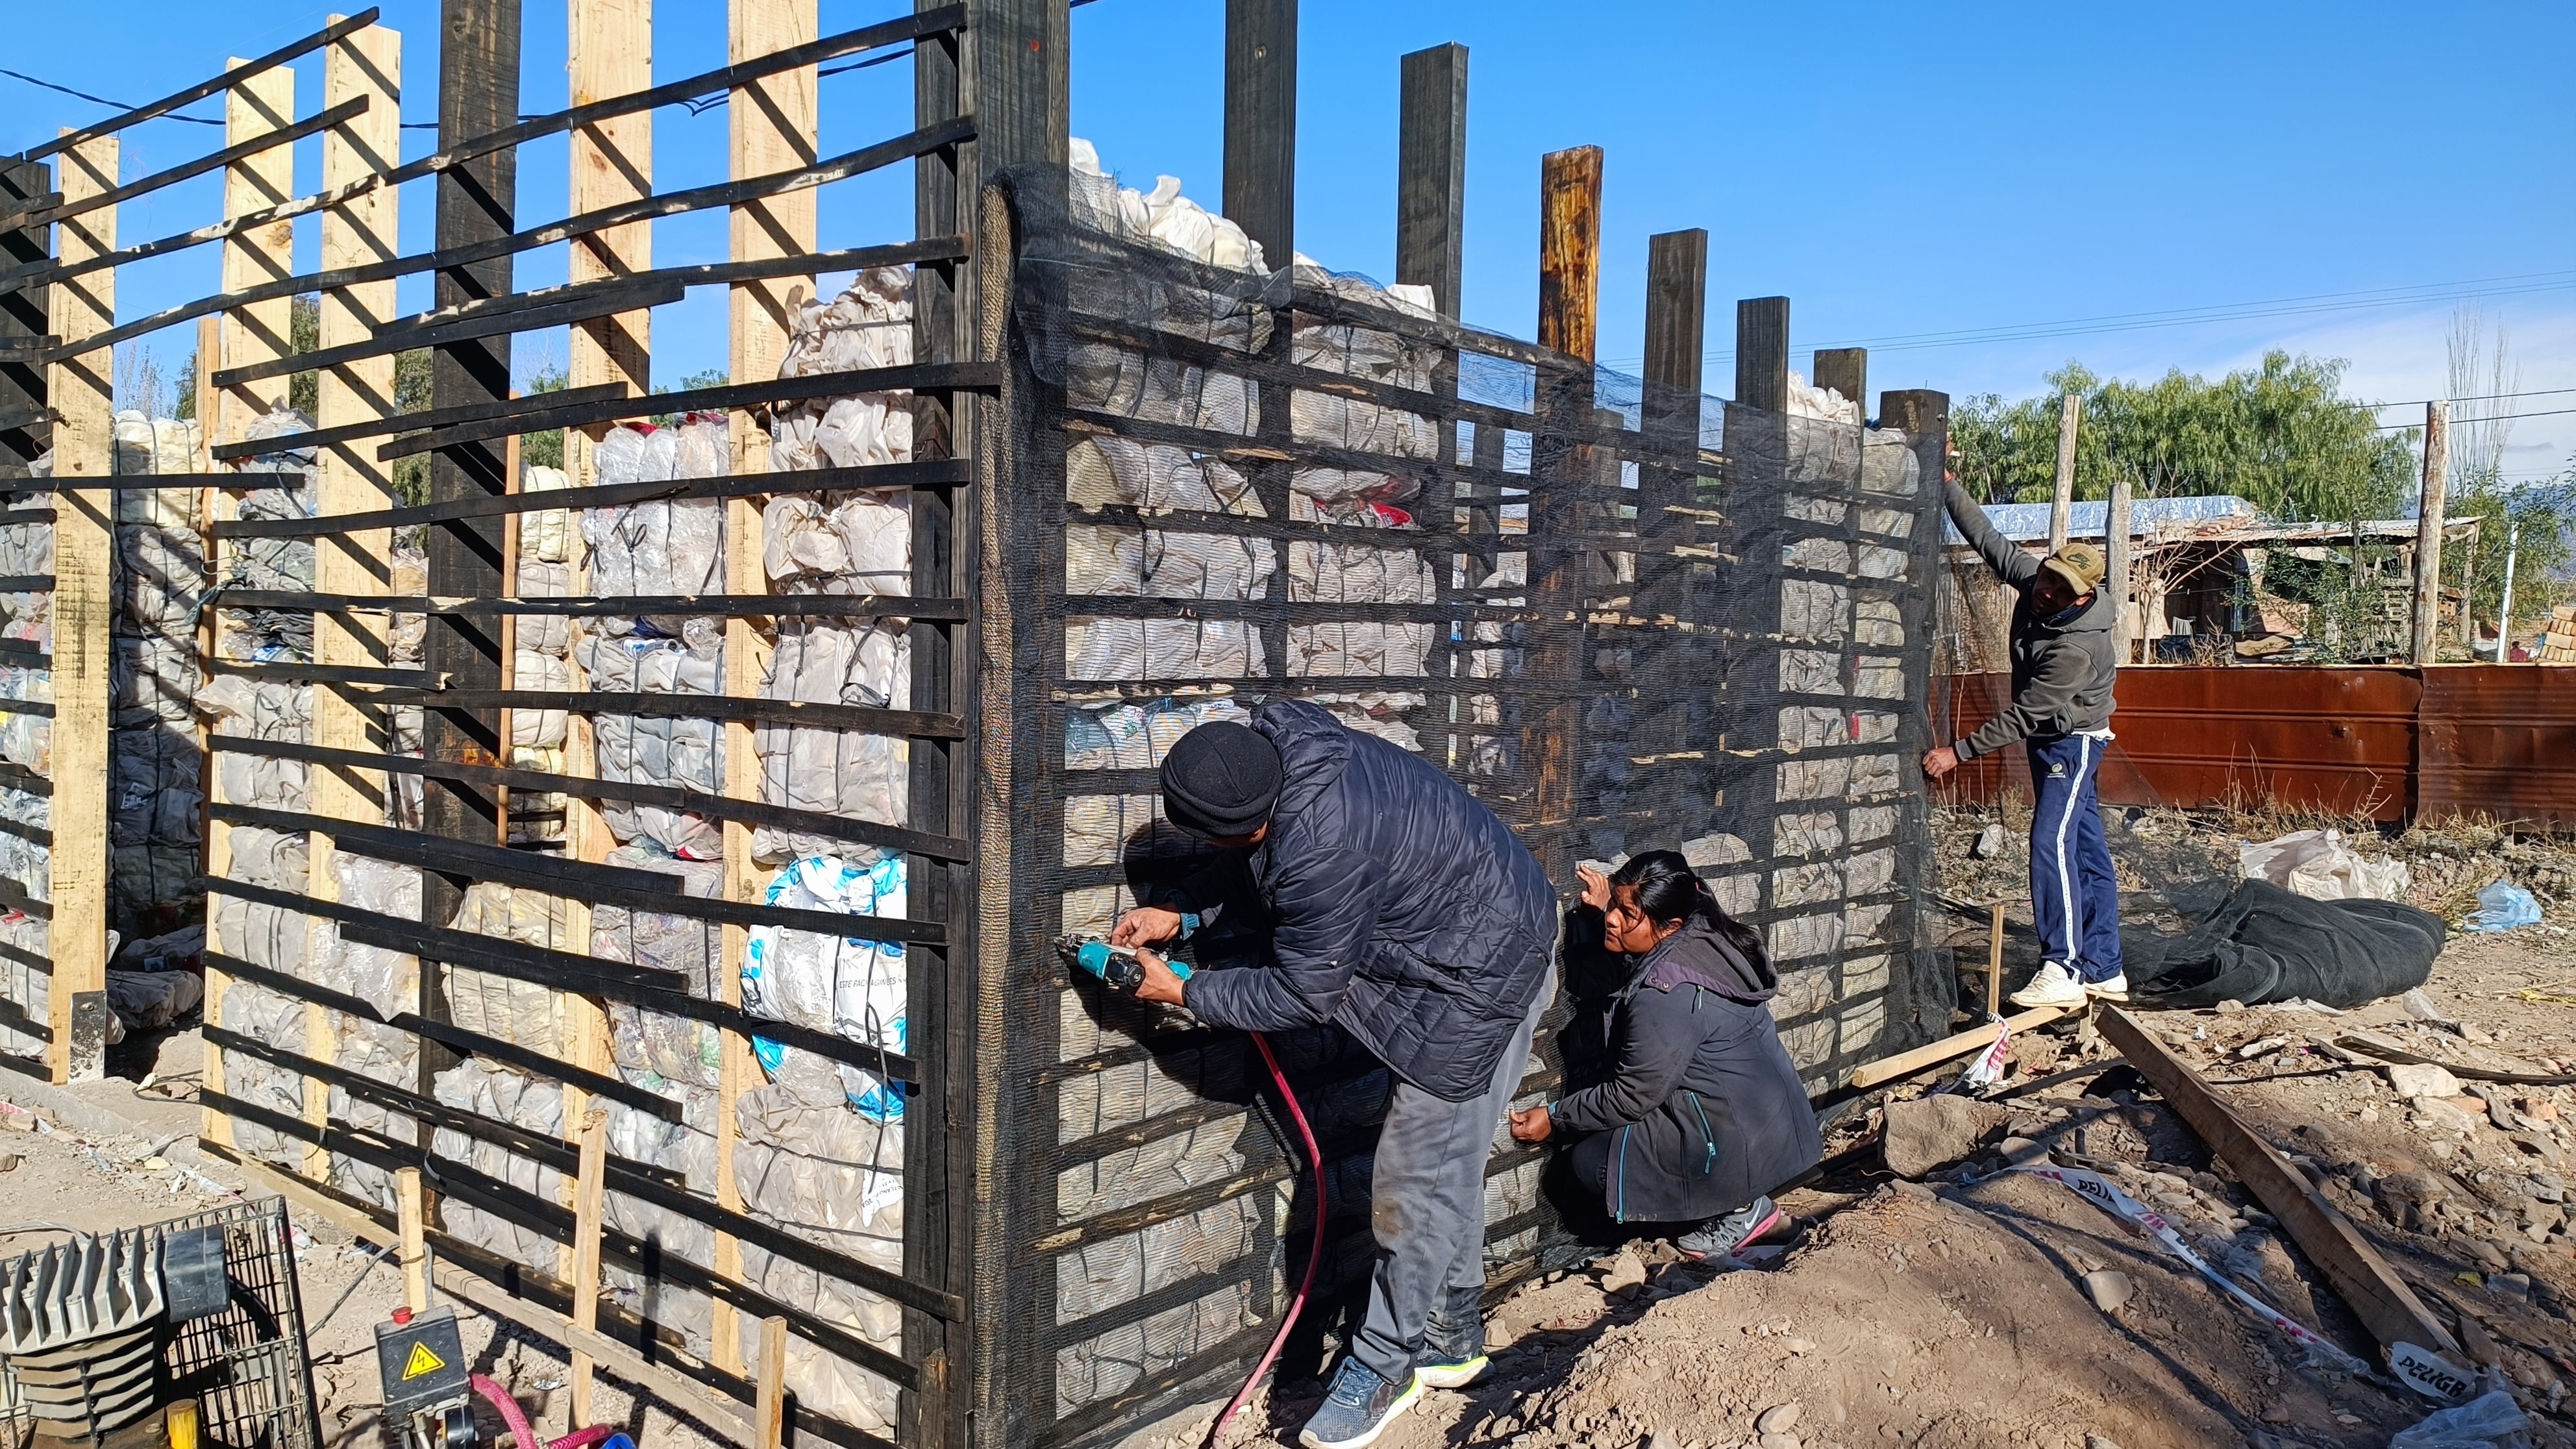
(2386, 743)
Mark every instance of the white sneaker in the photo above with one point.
(2054, 986)
(2115, 989)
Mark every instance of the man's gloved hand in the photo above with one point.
(1146, 926)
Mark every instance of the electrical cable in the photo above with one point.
(374, 1256)
(1314, 1256)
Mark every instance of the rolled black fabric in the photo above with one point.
(1220, 779)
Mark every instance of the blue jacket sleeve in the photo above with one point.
(1654, 1048)
(1326, 912)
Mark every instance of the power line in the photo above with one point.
(2505, 418)
(99, 100)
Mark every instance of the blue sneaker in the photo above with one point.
(1358, 1408)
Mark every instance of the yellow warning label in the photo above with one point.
(422, 1361)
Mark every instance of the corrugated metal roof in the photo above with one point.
(2028, 522)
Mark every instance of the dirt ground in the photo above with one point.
(1950, 1311)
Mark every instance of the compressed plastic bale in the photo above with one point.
(524, 1013)
(1115, 1362)
(821, 1381)
(499, 1094)
(857, 543)
(1103, 471)
(819, 1170)
(849, 986)
(379, 1053)
(850, 773)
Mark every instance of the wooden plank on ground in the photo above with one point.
(1948, 1048)
(2385, 1305)
(82, 392)
(2389, 1050)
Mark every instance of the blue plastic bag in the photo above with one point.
(2503, 906)
(2489, 1421)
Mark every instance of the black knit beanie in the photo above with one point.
(1220, 780)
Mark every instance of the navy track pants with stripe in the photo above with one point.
(2074, 898)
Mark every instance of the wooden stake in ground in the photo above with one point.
(2428, 529)
(587, 1197)
(409, 1216)
(2061, 507)
(2386, 1306)
(1995, 962)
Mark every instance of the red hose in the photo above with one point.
(516, 1418)
(1314, 1259)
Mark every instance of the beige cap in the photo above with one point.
(2080, 564)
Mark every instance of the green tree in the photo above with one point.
(2280, 435)
(546, 449)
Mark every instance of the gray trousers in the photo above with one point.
(1427, 1207)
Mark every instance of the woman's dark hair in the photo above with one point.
(1669, 890)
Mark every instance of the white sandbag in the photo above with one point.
(846, 985)
(2317, 864)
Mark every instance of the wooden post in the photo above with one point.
(1261, 123)
(478, 92)
(1762, 353)
(1676, 326)
(588, 1195)
(1431, 174)
(2428, 529)
(411, 1216)
(1569, 252)
(2061, 508)
(1569, 322)
(769, 1403)
(1995, 963)
(210, 355)
(350, 478)
(2115, 564)
(82, 391)
(610, 54)
(772, 128)
(1846, 371)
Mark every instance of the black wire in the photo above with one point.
(101, 100)
(373, 1258)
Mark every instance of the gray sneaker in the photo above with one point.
(1727, 1236)
(1453, 1343)
(1358, 1408)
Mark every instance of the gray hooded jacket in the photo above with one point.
(2062, 668)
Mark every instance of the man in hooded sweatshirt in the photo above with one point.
(1401, 909)
(2062, 672)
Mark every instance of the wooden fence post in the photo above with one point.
(1846, 371)
(23, 316)
(2428, 529)
(1261, 123)
(587, 1200)
(2061, 508)
(2115, 561)
(1431, 175)
(82, 392)
(1561, 467)
(1762, 353)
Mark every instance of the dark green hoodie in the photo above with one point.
(2062, 668)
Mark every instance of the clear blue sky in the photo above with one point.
(1897, 171)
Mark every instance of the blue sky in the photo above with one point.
(1899, 172)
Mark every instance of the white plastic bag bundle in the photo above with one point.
(500, 1095)
(849, 986)
(847, 543)
(1102, 472)
(523, 1013)
(2317, 864)
(849, 773)
(868, 326)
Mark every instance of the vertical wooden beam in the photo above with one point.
(411, 1219)
(1569, 252)
(588, 1197)
(23, 315)
(1846, 371)
(359, 561)
(2061, 508)
(1762, 353)
(1431, 174)
(610, 54)
(771, 123)
(1261, 123)
(478, 91)
(769, 1391)
(1676, 327)
(2115, 559)
(210, 351)
(82, 392)
(1018, 83)
(2428, 529)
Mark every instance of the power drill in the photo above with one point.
(1116, 966)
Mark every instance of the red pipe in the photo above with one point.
(1314, 1259)
(516, 1419)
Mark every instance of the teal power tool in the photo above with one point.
(1116, 966)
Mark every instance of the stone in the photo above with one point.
(1778, 1441)
(2503, 1116)
(2545, 1187)
(1778, 1419)
(1990, 843)
(2436, 1114)
(2407, 1197)
(1799, 1346)
(1933, 1132)
(2020, 1149)
(2230, 1007)
(2421, 1007)
(2538, 1109)
(1626, 1271)
(2099, 1441)
(2262, 1048)
(2422, 1081)
(2109, 1288)
(2495, 1258)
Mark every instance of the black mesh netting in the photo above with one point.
(1625, 620)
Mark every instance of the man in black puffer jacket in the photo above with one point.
(1402, 910)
